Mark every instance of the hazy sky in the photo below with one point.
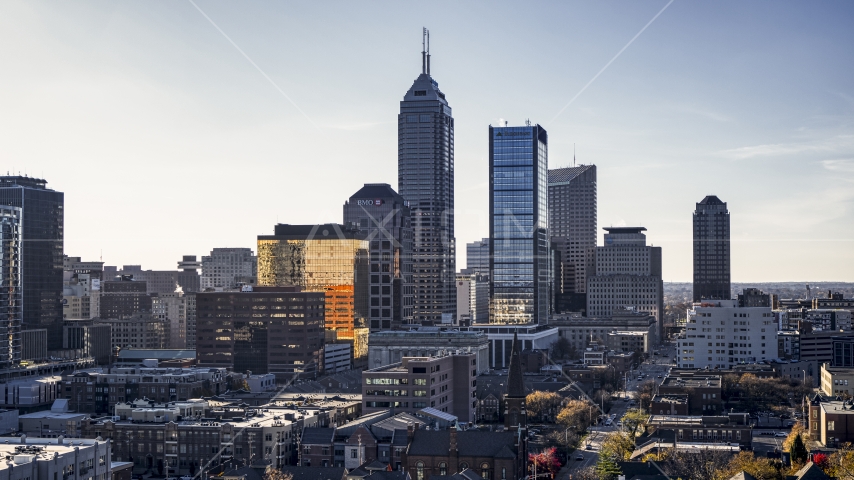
(167, 140)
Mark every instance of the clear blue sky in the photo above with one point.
(167, 141)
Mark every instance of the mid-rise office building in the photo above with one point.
(520, 276)
(720, 334)
(711, 250)
(90, 338)
(123, 297)
(167, 281)
(139, 330)
(572, 222)
(425, 173)
(627, 274)
(42, 220)
(228, 268)
(390, 347)
(582, 332)
(472, 299)
(445, 383)
(330, 258)
(477, 258)
(383, 217)
(171, 309)
(11, 285)
(276, 330)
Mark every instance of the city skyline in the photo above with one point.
(139, 113)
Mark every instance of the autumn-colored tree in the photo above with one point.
(566, 439)
(646, 391)
(618, 445)
(699, 464)
(798, 429)
(543, 405)
(586, 473)
(545, 461)
(575, 413)
(840, 464)
(760, 468)
(820, 459)
(633, 420)
(276, 474)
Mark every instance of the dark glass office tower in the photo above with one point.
(711, 250)
(42, 220)
(425, 163)
(384, 217)
(520, 277)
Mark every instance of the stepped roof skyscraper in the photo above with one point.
(711, 250)
(425, 162)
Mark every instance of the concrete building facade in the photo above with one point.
(386, 348)
(445, 383)
(719, 334)
(627, 274)
(228, 269)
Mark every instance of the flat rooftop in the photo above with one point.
(691, 380)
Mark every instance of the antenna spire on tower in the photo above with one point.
(424, 50)
(573, 154)
(428, 52)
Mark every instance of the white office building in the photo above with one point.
(720, 334)
(228, 268)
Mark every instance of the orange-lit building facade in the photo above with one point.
(327, 258)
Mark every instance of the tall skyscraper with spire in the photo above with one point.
(711, 250)
(425, 172)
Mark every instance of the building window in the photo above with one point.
(484, 471)
(419, 471)
(830, 425)
(443, 468)
(463, 466)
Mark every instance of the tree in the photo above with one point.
(646, 391)
(798, 429)
(545, 461)
(586, 473)
(607, 468)
(566, 439)
(575, 413)
(543, 405)
(633, 420)
(700, 464)
(276, 474)
(618, 445)
(760, 468)
(798, 451)
(561, 349)
(840, 464)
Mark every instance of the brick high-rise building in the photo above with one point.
(276, 330)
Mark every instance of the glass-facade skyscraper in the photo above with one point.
(42, 218)
(425, 163)
(711, 250)
(11, 286)
(329, 258)
(520, 277)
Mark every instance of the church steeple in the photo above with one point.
(515, 414)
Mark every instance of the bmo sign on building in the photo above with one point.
(383, 217)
